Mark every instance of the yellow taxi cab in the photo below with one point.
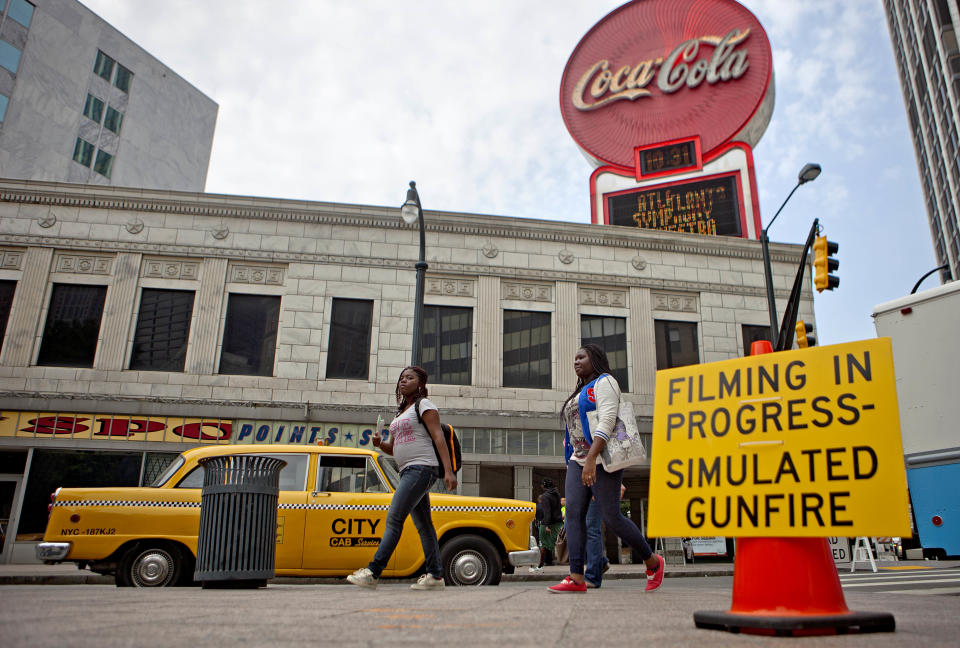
(331, 515)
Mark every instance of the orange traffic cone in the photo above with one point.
(788, 587)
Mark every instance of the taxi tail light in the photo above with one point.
(53, 498)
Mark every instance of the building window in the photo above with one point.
(7, 288)
(160, 341)
(676, 344)
(83, 152)
(21, 11)
(113, 120)
(93, 108)
(753, 334)
(9, 56)
(123, 78)
(349, 345)
(4, 100)
(103, 66)
(73, 326)
(104, 163)
(610, 334)
(446, 352)
(250, 335)
(526, 349)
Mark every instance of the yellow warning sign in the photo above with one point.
(799, 443)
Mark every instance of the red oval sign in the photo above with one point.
(659, 70)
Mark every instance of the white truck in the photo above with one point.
(925, 329)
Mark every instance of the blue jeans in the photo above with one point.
(412, 498)
(606, 491)
(596, 561)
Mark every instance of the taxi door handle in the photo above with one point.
(319, 494)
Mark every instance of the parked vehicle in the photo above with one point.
(331, 515)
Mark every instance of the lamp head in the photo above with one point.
(410, 210)
(809, 172)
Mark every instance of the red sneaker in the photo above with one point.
(655, 578)
(568, 585)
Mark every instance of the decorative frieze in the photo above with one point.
(527, 292)
(679, 303)
(82, 264)
(255, 274)
(11, 259)
(171, 269)
(603, 297)
(450, 287)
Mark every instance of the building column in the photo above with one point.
(489, 332)
(24, 322)
(643, 370)
(469, 482)
(115, 326)
(568, 335)
(523, 483)
(202, 347)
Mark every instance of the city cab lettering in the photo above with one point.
(342, 526)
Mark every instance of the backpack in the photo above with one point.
(453, 443)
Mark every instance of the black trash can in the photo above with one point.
(236, 545)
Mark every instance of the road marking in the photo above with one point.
(926, 592)
(876, 583)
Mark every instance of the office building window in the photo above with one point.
(676, 344)
(123, 78)
(526, 349)
(351, 322)
(610, 334)
(73, 326)
(446, 352)
(93, 108)
(113, 120)
(751, 334)
(250, 335)
(7, 288)
(104, 164)
(83, 152)
(21, 11)
(4, 100)
(163, 327)
(9, 56)
(103, 66)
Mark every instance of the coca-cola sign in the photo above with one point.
(660, 70)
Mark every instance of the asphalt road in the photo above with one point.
(513, 614)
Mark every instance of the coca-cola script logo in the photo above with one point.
(659, 70)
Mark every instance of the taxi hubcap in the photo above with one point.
(469, 568)
(153, 569)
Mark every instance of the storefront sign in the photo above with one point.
(332, 434)
(654, 71)
(113, 427)
(797, 443)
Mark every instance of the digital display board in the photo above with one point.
(710, 206)
(672, 157)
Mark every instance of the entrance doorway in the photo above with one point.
(8, 493)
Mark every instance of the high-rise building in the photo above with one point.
(928, 60)
(81, 102)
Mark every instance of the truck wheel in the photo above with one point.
(470, 560)
(150, 566)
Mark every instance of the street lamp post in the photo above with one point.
(411, 211)
(808, 173)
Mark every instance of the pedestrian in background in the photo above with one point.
(596, 391)
(551, 523)
(412, 445)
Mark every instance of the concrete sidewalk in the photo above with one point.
(68, 574)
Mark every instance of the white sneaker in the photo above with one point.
(536, 570)
(428, 582)
(363, 578)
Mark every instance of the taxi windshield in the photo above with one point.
(390, 470)
(167, 472)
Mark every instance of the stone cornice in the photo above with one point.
(225, 206)
(440, 267)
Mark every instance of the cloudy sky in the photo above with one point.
(348, 100)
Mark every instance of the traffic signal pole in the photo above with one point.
(785, 339)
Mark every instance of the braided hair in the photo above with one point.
(599, 364)
(421, 387)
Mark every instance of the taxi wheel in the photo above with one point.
(150, 566)
(470, 560)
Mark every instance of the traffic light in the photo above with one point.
(805, 335)
(824, 264)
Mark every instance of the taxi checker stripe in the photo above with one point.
(328, 507)
(125, 503)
